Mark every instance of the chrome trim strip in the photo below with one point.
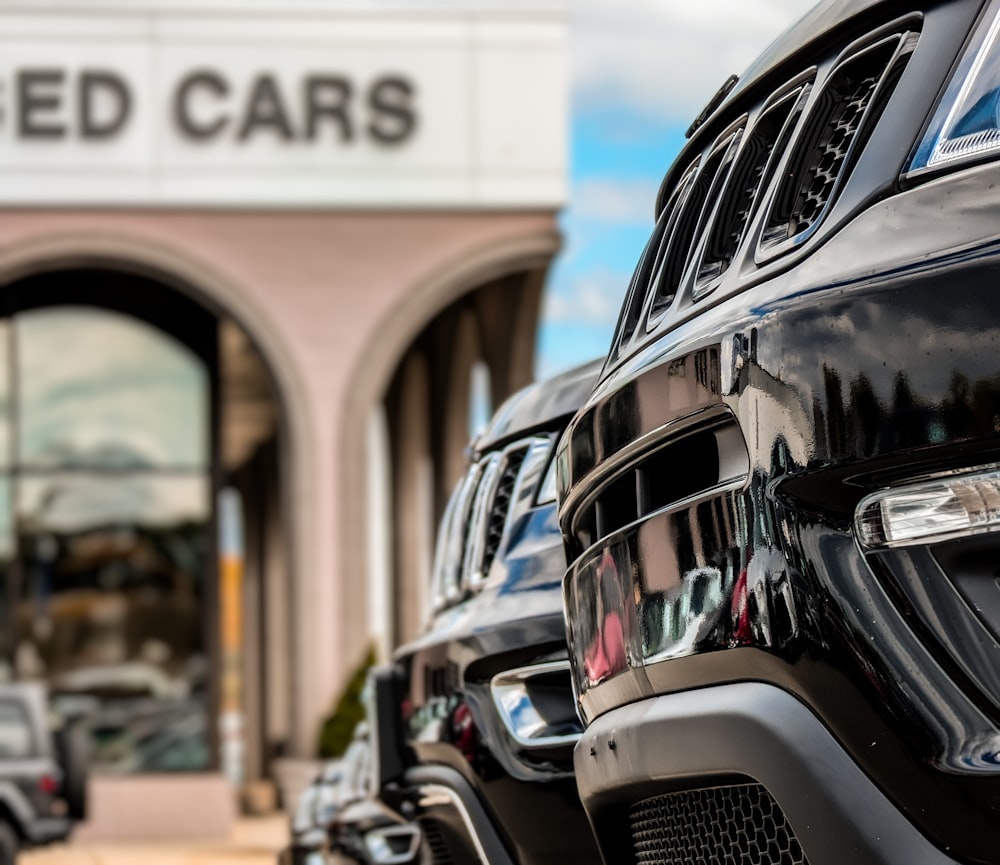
(493, 467)
(727, 486)
(589, 484)
(734, 461)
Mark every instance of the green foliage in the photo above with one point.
(338, 728)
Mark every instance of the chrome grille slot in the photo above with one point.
(692, 464)
(450, 550)
(492, 466)
(649, 263)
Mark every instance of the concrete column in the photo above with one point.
(465, 353)
(414, 497)
(379, 530)
(277, 613)
(520, 358)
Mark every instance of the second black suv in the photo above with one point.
(781, 501)
(476, 723)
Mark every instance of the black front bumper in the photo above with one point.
(730, 735)
(456, 826)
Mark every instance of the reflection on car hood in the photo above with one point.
(539, 405)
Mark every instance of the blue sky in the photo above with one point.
(641, 71)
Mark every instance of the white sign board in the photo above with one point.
(148, 105)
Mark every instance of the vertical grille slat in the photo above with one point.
(768, 134)
(500, 509)
(472, 570)
(831, 152)
(663, 294)
(837, 127)
(733, 825)
(649, 262)
(498, 487)
(690, 220)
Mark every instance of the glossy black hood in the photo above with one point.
(539, 406)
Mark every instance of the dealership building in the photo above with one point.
(257, 260)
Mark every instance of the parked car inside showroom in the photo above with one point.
(44, 765)
(781, 500)
(476, 718)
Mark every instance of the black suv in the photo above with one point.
(476, 722)
(781, 501)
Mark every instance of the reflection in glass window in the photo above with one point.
(105, 508)
(111, 608)
(100, 389)
(15, 732)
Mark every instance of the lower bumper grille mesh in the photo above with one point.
(436, 843)
(735, 825)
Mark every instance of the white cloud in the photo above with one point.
(612, 200)
(590, 299)
(668, 56)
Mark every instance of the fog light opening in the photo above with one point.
(393, 845)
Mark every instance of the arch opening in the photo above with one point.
(127, 406)
(470, 354)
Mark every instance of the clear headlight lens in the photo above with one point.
(947, 507)
(967, 122)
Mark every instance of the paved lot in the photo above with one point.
(254, 842)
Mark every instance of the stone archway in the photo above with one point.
(333, 300)
(137, 256)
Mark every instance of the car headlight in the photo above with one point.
(952, 505)
(966, 124)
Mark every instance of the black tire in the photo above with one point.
(73, 752)
(9, 843)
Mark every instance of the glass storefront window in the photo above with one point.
(105, 515)
(112, 572)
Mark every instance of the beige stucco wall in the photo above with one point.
(332, 300)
